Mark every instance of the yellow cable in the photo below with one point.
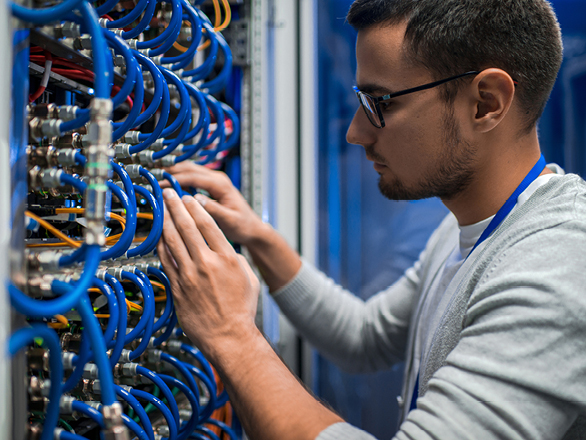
(157, 284)
(217, 18)
(134, 306)
(53, 230)
(100, 315)
(146, 215)
(159, 299)
(228, 18)
(57, 325)
(62, 319)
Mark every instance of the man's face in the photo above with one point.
(420, 152)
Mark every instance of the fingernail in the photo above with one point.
(187, 199)
(169, 194)
(201, 199)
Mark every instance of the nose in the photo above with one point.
(360, 131)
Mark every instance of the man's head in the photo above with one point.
(516, 44)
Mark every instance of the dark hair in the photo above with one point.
(449, 37)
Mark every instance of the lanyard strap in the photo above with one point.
(496, 221)
(512, 201)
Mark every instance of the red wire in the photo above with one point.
(41, 89)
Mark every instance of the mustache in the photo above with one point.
(373, 155)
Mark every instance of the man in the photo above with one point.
(491, 320)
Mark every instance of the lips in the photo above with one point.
(378, 167)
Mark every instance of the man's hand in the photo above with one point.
(227, 206)
(214, 288)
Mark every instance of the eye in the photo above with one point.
(385, 105)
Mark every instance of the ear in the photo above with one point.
(493, 91)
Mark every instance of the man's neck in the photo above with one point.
(494, 182)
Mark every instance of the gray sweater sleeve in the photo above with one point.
(358, 336)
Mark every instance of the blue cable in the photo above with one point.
(208, 432)
(148, 313)
(113, 308)
(174, 183)
(138, 409)
(44, 16)
(156, 229)
(65, 435)
(143, 23)
(157, 191)
(180, 366)
(220, 81)
(193, 401)
(204, 114)
(210, 407)
(97, 417)
(165, 40)
(96, 337)
(160, 86)
(234, 136)
(68, 179)
(206, 67)
(25, 337)
(61, 305)
(160, 275)
(149, 138)
(199, 357)
(144, 318)
(168, 331)
(82, 358)
(80, 159)
(118, 344)
(120, 128)
(130, 17)
(155, 379)
(161, 407)
(125, 240)
(196, 33)
(75, 257)
(106, 7)
(120, 46)
(224, 428)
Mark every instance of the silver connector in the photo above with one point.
(168, 161)
(115, 429)
(42, 128)
(146, 158)
(133, 171)
(122, 150)
(131, 137)
(46, 260)
(65, 404)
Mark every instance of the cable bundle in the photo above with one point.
(148, 80)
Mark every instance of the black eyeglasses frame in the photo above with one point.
(378, 100)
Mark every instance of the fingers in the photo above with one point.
(207, 226)
(181, 250)
(216, 210)
(251, 275)
(169, 264)
(216, 183)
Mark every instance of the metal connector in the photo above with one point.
(122, 150)
(115, 429)
(42, 128)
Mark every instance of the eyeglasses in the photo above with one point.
(371, 104)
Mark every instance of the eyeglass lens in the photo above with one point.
(369, 107)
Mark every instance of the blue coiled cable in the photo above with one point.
(161, 407)
(160, 275)
(160, 86)
(145, 323)
(193, 18)
(97, 417)
(113, 307)
(210, 407)
(206, 67)
(61, 305)
(148, 311)
(47, 15)
(149, 244)
(143, 23)
(235, 135)
(168, 331)
(156, 380)
(125, 240)
(120, 128)
(208, 432)
(130, 17)
(193, 401)
(120, 46)
(174, 182)
(224, 428)
(25, 337)
(221, 80)
(166, 39)
(117, 345)
(138, 409)
(96, 337)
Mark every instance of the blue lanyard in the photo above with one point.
(496, 221)
(512, 201)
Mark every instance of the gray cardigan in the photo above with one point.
(508, 356)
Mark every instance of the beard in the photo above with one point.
(451, 175)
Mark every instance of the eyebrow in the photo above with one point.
(373, 89)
